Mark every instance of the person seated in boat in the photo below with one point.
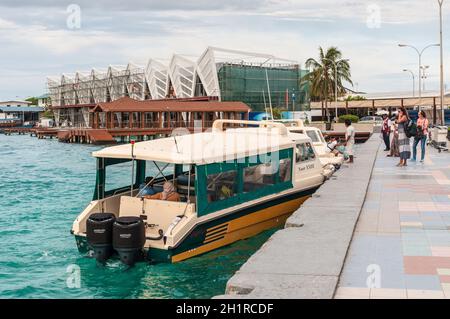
(168, 193)
(225, 192)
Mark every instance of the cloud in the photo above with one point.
(36, 42)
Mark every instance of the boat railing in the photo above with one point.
(218, 125)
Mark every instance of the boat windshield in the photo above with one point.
(313, 136)
(158, 173)
(141, 178)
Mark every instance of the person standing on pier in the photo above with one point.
(386, 132)
(395, 152)
(349, 139)
(403, 140)
(422, 132)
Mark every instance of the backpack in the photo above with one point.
(420, 133)
(410, 129)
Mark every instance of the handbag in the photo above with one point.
(410, 129)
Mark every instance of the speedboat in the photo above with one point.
(232, 183)
(326, 157)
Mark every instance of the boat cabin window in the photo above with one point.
(285, 170)
(221, 186)
(304, 152)
(228, 184)
(118, 176)
(158, 173)
(268, 174)
(115, 176)
(257, 177)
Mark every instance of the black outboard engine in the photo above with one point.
(129, 239)
(99, 231)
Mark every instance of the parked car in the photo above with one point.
(377, 120)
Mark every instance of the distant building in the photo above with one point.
(43, 101)
(15, 103)
(219, 74)
(19, 111)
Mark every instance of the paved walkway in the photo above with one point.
(305, 259)
(401, 245)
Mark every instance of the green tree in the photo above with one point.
(322, 75)
(355, 98)
(33, 100)
(277, 113)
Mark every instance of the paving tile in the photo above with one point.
(444, 279)
(440, 251)
(434, 224)
(352, 293)
(423, 282)
(419, 265)
(387, 293)
(411, 224)
(409, 218)
(425, 294)
(416, 251)
(443, 271)
(446, 289)
(438, 237)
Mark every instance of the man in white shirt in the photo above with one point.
(349, 139)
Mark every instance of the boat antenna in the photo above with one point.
(265, 104)
(176, 144)
(132, 166)
(270, 98)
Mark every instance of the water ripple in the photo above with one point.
(44, 185)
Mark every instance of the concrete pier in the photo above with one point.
(305, 260)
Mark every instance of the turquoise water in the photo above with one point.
(43, 187)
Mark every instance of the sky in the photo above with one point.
(40, 38)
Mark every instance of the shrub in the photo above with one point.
(350, 117)
(355, 98)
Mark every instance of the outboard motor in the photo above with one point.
(99, 231)
(129, 238)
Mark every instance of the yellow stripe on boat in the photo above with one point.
(245, 227)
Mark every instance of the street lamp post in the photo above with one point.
(414, 81)
(420, 53)
(441, 2)
(424, 68)
(336, 83)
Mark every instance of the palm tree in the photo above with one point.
(322, 75)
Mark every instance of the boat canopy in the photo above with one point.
(204, 148)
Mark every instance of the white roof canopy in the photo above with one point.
(204, 148)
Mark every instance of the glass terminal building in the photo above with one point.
(259, 80)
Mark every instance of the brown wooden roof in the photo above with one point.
(127, 104)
